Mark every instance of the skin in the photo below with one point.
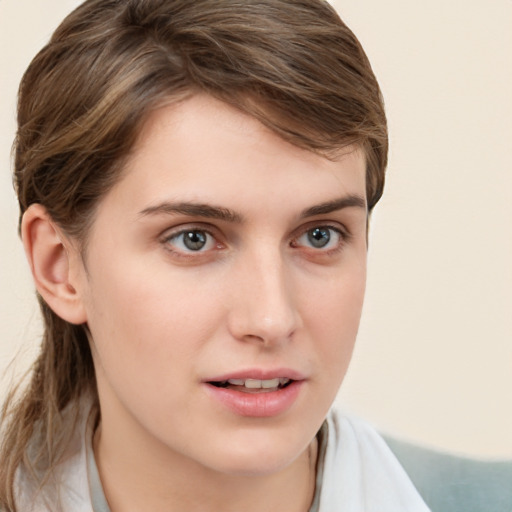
(164, 319)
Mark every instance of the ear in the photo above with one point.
(49, 255)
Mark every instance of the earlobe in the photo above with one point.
(48, 254)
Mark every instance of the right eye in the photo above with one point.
(322, 238)
(191, 240)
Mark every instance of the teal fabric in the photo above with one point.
(456, 484)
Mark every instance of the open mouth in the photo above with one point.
(253, 385)
(257, 398)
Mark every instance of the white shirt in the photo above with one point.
(357, 472)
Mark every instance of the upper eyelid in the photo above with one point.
(170, 234)
(341, 233)
(337, 226)
(187, 255)
(183, 228)
(183, 231)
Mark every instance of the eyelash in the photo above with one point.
(343, 238)
(167, 239)
(342, 234)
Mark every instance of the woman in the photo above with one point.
(195, 180)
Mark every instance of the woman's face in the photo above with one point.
(223, 284)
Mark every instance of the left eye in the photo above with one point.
(320, 237)
(194, 240)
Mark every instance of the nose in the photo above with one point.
(263, 308)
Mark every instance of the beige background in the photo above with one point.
(434, 357)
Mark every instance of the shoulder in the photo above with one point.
(66, 487)
(358, 471)
(446, 482)
(351, 438)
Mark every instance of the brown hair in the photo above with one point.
(292, 64)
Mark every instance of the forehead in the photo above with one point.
(203, 149)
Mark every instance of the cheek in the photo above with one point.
(336, 300)
(148, 326)
(129, 323)
(333, 315)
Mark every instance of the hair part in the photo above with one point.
(291, 64)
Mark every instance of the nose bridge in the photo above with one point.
(264, 306)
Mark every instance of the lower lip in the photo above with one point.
(259, 405)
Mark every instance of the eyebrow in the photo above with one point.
(220, 213)
(194, 209)
(350, 201)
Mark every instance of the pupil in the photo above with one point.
(319, 237)
(194, 240)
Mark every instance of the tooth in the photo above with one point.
(252, 383)
(237, 382)
(271, 383)
(259, 384)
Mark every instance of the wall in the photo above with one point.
(434, 356)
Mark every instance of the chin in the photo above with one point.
(257, 466)
(259, 457)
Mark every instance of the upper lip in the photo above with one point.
(259, 374)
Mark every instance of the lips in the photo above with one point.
(256, 393)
